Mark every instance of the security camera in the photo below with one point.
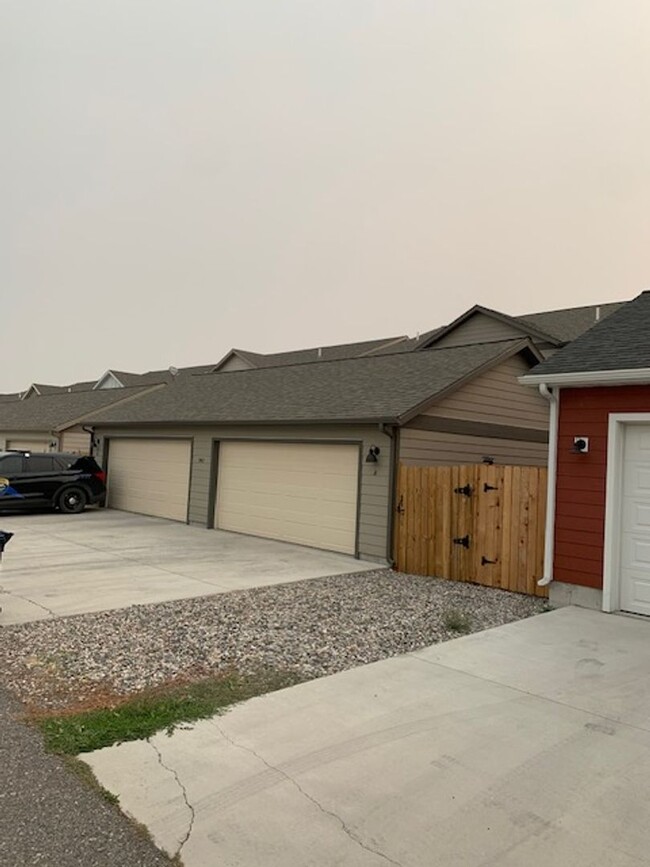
(581, 445)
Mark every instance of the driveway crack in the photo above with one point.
(27, 599)
(344, 826)
(186, 800)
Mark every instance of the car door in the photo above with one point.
(11, 481)
(41, 479)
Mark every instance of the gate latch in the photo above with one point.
(487, 487)
(466, 490)
(462, 540)
(485, 561)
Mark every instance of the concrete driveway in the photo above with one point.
(527, 744)
(103, 559)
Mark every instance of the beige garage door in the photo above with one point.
(26, 445)
(296, 492)
(150, 476)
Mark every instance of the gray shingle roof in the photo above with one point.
(381, 388)
(567, 325)
(324, 353)
(619, 342)
(51, 411)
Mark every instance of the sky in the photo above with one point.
(178, 177)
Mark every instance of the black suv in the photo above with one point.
(40, 479)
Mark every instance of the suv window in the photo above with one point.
(11, 464)
(39, 464)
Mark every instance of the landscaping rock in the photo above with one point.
(310, 628)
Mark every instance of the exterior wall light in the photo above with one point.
(372, 456)
(581, 445)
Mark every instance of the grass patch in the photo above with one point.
(153, 711)
(457, 621)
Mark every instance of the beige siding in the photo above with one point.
(75, 440)
(375, 478)
(493, 398)
(421, 447)
(479, 328)
(497, 397)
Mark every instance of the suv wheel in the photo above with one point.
(73, 500)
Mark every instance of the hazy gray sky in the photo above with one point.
(182, 176)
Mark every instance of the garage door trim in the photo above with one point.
(149, 436)
(323, 441)
(618, 425)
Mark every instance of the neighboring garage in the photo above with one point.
(306, 493)
(308, 453)
(29, 445)
(150, 476)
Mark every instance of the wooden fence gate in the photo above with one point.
(476, 523)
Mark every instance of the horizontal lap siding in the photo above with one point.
(497, 397)
(581, 479)
(419, 448)
(375, 478)
(493, 398)
(479, 328)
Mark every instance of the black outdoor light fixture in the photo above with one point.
(372, 456)
(580, 445)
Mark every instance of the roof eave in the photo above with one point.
(630, 376)
(98, 423)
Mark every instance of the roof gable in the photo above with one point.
(109, 380)
(523, 329)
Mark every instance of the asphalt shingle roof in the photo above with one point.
(567, 325)
(619, 342)
(324, 353)
(50, 411)
(377, 388)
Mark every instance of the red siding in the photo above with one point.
(580, 493)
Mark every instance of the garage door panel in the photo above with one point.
(27, 445)
(150, 476)
(635, 521)
(296, 492)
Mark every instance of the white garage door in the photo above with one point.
(635, 516)
(304, 493)
(150, 476)
(27, 445)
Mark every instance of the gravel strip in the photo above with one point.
(311, 628)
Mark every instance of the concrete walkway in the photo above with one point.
(524, 745)
(72, 564)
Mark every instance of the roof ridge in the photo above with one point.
(368, 357)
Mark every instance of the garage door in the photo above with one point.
(150, 476)
(635, 516)
(304, 493)
(27, 445)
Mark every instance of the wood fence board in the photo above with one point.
(503, 520)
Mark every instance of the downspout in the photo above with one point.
(392, 433)
(91, 433)
(549, 535)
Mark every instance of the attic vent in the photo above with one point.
(320, 352)
(597, 314)
(173, 370)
